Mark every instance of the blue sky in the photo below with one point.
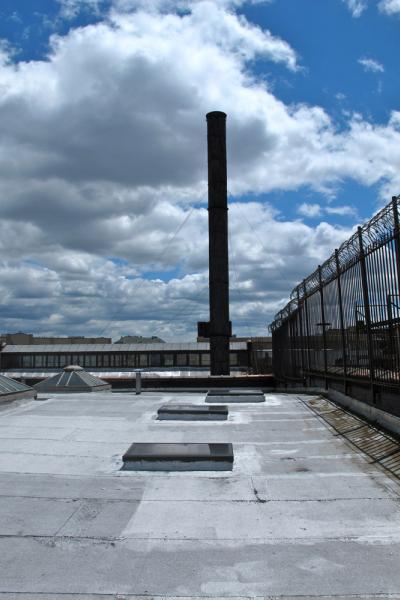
(330, 43)
(103, 152)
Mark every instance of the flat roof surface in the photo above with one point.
(150, 372)
(76, 348)
(301, 515)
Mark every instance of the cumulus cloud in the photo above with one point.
(78, 290)
(309, 210)
(342, 211)
(390, 7)
(69, 9)
(102, 158)
(356, 7)
(313, 211)
(369, 64)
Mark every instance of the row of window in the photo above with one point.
(113, 360)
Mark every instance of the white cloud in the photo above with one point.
(77, 291)
(103, 153)
(356, 7)
(69, 9)
(369, 64)
(342, 211)
(390, 7)
(309, 210)
(313, 211)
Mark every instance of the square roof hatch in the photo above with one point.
(178, 457)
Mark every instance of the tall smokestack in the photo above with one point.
(220, 326)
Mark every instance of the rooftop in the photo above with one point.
(154, 347)
(302, 513)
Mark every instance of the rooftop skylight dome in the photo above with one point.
(14, 390)
(72, 378)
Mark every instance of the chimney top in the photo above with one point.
(216, 114)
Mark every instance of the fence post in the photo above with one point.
(393, 360)
(341, 317)
(364, 283)
(307, 329)
(396, 239)
(300, 313)
(321, 295)
(393, 336)
(291, 342)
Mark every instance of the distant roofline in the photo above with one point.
(77, 348)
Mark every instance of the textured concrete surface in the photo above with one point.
(301, 515)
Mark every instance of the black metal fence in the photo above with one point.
(341, 327)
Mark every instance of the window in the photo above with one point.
(233, 359)
(242, 359)
(90, 360)
(117, 360)
(51, 361)
(40, 361)
(181, 360)
(11, 361)
(64, 360)
(194, 360)
(155, 360)
(168, 360)
(143, 362)
(77, 359)
(27, 362)
(205, 359)
(131, 360)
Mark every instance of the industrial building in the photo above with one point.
(115, 356)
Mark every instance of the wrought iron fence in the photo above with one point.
(341, 327)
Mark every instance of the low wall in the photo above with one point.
(369, 412)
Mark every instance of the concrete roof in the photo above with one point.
(147, 372)
(76, 348)
(302, 514)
